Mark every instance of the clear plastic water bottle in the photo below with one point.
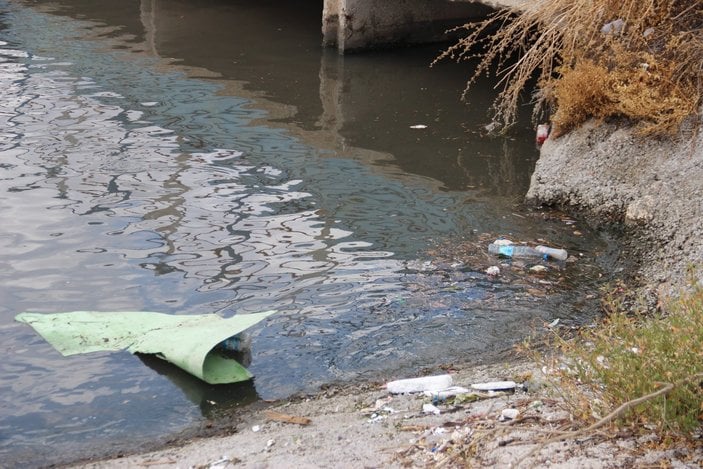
(237, 347)
(511, 250)
(559, 254)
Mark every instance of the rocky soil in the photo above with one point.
(365, 426)
(651, 187)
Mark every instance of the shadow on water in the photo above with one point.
(207, 156)
(211, 399)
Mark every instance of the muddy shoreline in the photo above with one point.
(365, 426)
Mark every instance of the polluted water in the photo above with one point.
(226, 163)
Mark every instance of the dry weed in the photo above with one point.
(637, 59)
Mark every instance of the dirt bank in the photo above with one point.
(651, 187)
(365, 426)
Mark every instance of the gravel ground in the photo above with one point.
(365, 426)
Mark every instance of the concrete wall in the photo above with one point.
(351, 25)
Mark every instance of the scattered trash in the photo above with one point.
(509, 414)
(379, 411)
(476, 396)
(492, 127)
(269, 444)
(418, 126)
(512, 250)
(445, 393)
(235, 344)
(285, 418)
(613, 27)
(503, 242)
(495, 386)
(554, 323)
(376, 418)
(430, 409)
(648, 32)
(427, 383)
(542, 133)
(536, 405)
(188, 341)
(439, 431)
(256, 428)
(493, 271)
(538, 268)
(378, 405)
(225, 461)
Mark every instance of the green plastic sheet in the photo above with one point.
(187, 341)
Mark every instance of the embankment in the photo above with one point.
(652, 188)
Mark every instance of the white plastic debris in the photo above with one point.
(256, 428)
(427, 383)
(430, 409)
(493, 271)
(509, 414)
(502, 242)
(559, 254)
(495, 386)
(418, 126)
(445, 393)
(542, 133)
(613, 27)
(538, 268)
(220, 463)
(554, 323)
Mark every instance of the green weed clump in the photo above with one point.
(636, 59)
(633, 354)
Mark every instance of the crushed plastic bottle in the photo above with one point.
(511, 250)
(427, 383)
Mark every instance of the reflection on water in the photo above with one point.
(153, 163)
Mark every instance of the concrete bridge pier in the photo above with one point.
(352, 25)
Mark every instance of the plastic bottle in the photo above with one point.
(559, 254)
(427, 383)
(511, 250)
(495, 386)
(237, 347)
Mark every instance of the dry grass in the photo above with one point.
(634, 354)
(647, 67)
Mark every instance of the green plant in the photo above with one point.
(638, 59)
(633, 354)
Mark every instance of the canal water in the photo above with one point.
(205, 156)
